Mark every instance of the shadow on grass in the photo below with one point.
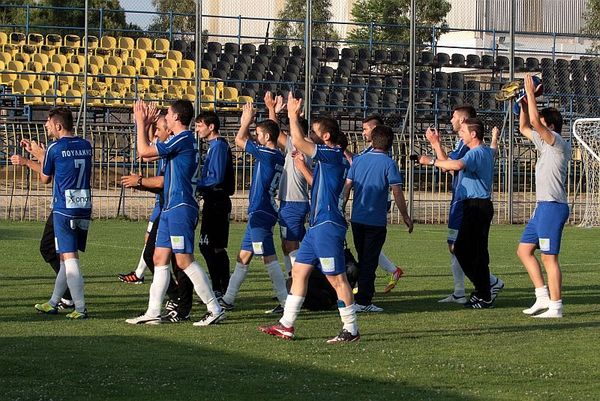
(142, 368)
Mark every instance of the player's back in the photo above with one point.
(69, 161)
(328, 182)
(265, 178)
(181, 163)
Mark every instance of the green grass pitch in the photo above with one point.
(417, 349)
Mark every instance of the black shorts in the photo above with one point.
(214, 229)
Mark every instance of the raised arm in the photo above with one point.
(534, 115)
(144, 146)
(495, 135)
(401, 203)
(294, 107)
(245, 121)
(433, 137)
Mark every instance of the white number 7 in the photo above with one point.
(80, 164)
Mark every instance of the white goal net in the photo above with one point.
(587, 133)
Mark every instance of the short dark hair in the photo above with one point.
(374, 117)
(271, 128)
(467, 109)
(63, 116)
(208, 118)
(328, 124)
(185, 110)
(552, 117)
(382, 137)
(476, 125)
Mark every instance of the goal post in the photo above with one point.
(587, 133)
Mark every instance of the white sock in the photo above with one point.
(141, 267)
(75, 283)
(158, 289)
(459, 277)
(202, 286)
(542, 301)
(293, 304)
(235, 282)
(386, 264)
(287, 262)
(348, 315)
(60, 285)
(278, 281)
(554, 310)
(293, 257)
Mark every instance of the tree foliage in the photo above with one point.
(11, 15)
(322, 30)
(391, 21)
(592, 22)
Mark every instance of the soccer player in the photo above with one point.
(293, 191)
(262, 210)
(179, 216)
(384, 262)
(323, 244)
(68, 161)
(544, 229)
(475, 190)
(215, 185)
(371, 176)
(459, 115)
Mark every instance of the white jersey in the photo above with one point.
(292, 186)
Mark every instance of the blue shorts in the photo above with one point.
(176, 229)
(545, 227)
(292, 217)
(153, 216)
(454, 220)
(323, 247)
(258, 237)
(70, 233)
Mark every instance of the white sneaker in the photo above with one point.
(540, 304)
(550, 314)
(210, 318)
(454, 299)
(143, 319)
(367, 308)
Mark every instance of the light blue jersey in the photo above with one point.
(69, 161)
(478, 174)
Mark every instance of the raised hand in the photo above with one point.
(269, 101)
(294, 106)
(247, 115)
(432, 136)
(140, 112)
(152, 113)
(279, 105)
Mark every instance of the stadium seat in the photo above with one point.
(3, 38)
(22, 57)
(54, 40)
(289, 78)
(162, 46)
(12, 49)
(15, 65)
(17, 38)
(126, 42)
(389, 102)
(487, 62)
(116, 61)
(502, 63)
(59, 58)
(397, 57)
(532, 64)
(472, 94)
(213, 47)
(189, 64)
(33, 97)
(175, 55)
(441, 60)
(391, 85)
(265, 50)
(152, 63)
(381, 56)
(71, 40)
(53, 97)
(8, 77)
(519, 64)
(277, 68)
(33, 39)
(108, 42)
(473, 61)
(425, 58)
(19, 86)
(144, 43)
(109, 72)
(282, 51)
(248, 49)
(169, 63)
(332, 54)
(139, 55)
(336, 101)
(362, 67)
(134, 62)
(2, 65)
(207, 102)
(92, 42)
(237, 78)
(232, 49)
(457, 60)
(97, 60)
(163, 77)
(77, 59)
(5, 57)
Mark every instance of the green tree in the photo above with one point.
(592, 22)
(322, 29)
(183, 13)
(12, 14)
(391, 21)
(68, 16)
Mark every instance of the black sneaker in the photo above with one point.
(64, 304)
(475, 302)
(225, 305)
(344, 337)
(171, 305)
(174, 317)
(278, 310)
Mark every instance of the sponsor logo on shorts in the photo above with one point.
(327, 265)
(177, 242)
(258, 248)
(544, 244)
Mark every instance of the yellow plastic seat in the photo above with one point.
(17, 38)
(78, 86)
(53, 97)
(152, 62)
(41, 58)
(113, 99)
(9, 48)
(70, 73)
(189, 64)
(168, 63)
(67, 51)
(109, 72)
(19, 86)
(139, 54)
(8, 77)
(120, 88)
(126, 76)
(175, 55)
(33, 97)
(136, 63)
(100, 87)
(5, 57)
(187, 96)
(103, 52)
(54, 40)
(47, 50)
(92, 42)
(29, 49)
(77, 59)
(164, 76)
(245, 99)
(72, 40)
(147, 71)
(3, 38)
(35, 39)
(59, 58)
(184, 77)
(207, 102)
(123, 54)
(190, 90)
(144, 44)
(41, 85)
(52, 72)
(127, 43)
(15, 65)
(162, 45)
(97, 60)
(2, 65)
(73, 98)
(22, 57)
(108, 42)
(116, 61)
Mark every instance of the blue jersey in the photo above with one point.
(478, 174)
(371, 175)
(460, 150)
(160, 171)
(181, 161)
(213, 170)
(69, 161)
(328, 182)
(267, 171)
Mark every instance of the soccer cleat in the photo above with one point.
(77, 315)
(476, 302)
(278, 330)
(65, 304)
(539, 305)
(276, 310)
(367, 308)
(131, 278)
(393, 280)
(496, 288)
(46, 308)
(211, 318)
(225, 305)
(344, 337)
(171, 305)
(454, 299)
(143, 319)
(174, 317)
